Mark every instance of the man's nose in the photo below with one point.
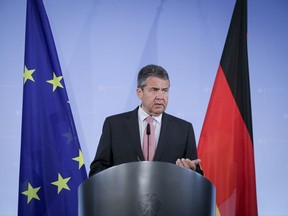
(160, 94)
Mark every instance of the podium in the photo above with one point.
(146, 188)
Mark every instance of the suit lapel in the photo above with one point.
(164, 136)
(133, 129)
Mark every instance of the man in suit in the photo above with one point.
(123, 134)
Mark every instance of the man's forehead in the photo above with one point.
(157, 82)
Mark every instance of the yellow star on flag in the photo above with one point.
(28, 74)
(80, 159)
(56, 81)
(31, 193)
(61, 183)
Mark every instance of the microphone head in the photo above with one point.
(148, 131)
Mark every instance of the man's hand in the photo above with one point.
(190, 164)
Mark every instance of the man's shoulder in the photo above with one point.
(127, 114)
(173, 118)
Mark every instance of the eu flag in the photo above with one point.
(51, 163)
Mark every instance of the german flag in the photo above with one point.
(226, 141)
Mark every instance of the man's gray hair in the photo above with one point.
(151, 71)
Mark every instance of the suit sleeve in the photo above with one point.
(191, 151)
(103, 157)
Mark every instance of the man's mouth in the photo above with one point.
(159, 104)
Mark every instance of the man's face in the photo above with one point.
(154, 95)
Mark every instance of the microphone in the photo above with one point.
(148, 132)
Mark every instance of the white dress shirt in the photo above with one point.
(142, 115)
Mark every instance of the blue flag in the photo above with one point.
(51, 163)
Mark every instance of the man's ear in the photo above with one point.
(139, 93)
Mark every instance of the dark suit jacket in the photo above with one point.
(120, 141)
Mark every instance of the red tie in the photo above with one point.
(149, 155)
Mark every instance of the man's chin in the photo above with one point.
(158, 111)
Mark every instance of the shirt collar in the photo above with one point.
(143, 115)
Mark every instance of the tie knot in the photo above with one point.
(149, 119)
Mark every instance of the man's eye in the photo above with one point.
(165, 90)
(154, 90)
